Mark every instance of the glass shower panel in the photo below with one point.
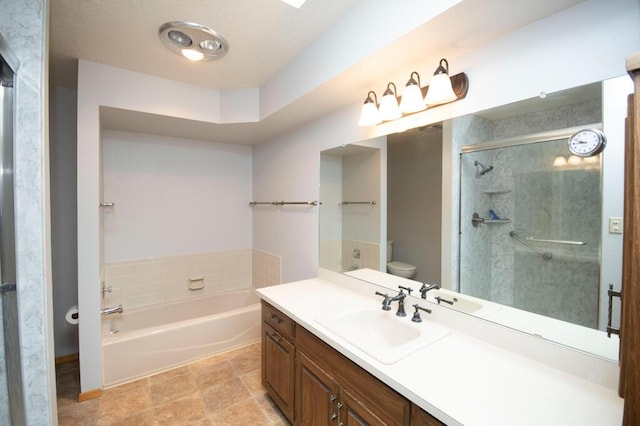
(530, 229)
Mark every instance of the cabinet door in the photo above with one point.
(278, 369)
(354, 413)
(317, 401)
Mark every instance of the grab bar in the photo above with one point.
(545, 254)
(571, 243)
(282, 203)
(345, 203)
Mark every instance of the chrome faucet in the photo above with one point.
(427, 287)
(386, 303)
(112, 310)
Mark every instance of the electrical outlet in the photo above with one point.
(615, 225)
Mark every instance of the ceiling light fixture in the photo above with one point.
(193, 41)
(443, 89)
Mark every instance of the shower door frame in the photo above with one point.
(513, 142)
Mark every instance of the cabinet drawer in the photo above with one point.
(279, 321)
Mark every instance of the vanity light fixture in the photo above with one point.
(369, 115)
(440, 90)
(389, 109)
(412, 99)
(193, 41)
(443, 89)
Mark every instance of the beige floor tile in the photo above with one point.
(125, 405)
(177, 386)
(185, 410)
(169, 375)
(223, 395)
(253, 382)
(213, 374)
(270, 409)
(143, 418)
(141, 385)
(241, 414)
(246, 362)
(80, 414)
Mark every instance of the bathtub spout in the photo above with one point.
(112, 310)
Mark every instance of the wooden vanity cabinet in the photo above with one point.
(313, 384)
(278, 358)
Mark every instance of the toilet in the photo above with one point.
(395, 267)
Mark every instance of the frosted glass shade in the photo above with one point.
(369, 115)
(389, 109)
(412, 100)
(440, 90)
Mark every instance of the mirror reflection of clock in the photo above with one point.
(587, 142)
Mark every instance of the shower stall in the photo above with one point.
(530, 228)
(11, 400)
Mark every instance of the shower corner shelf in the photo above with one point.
(476, 220)
(497, 192)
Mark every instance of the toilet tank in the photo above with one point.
(389, 251)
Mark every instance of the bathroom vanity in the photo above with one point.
(331, 355)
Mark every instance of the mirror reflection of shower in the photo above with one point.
(481, 168)
(530, 231)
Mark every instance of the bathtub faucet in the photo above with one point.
(112, 310)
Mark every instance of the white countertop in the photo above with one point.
(460, 379)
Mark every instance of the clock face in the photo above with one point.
(586, 143)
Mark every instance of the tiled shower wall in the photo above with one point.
(141, 282)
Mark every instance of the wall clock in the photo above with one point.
(587, 142)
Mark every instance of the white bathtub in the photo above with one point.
(163, 336)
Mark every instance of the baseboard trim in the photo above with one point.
(85, 396)
(67, 358)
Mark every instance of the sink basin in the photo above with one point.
(381, 334)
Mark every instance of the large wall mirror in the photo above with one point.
(532, 246)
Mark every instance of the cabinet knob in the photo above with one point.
(333, 416)
(340, 405)
(333, 398)
(275, 336)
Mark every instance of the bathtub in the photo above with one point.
(146, 340)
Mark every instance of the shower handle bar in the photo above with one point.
(345, 203)
(281, 203)
(545, 254)
(567, 242)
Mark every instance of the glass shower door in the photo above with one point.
(530, 229)
(11, 399)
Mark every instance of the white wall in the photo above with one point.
(64, 243)
(174, 196)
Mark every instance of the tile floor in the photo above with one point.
(224, 389)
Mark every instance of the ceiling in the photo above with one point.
(265, 37)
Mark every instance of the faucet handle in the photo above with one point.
(416, 314)
(409, 289)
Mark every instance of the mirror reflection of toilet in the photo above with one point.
(395, 267)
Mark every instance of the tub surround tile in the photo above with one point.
(142, 282)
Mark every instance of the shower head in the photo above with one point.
(483, 169)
